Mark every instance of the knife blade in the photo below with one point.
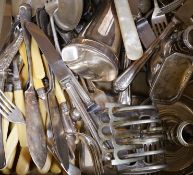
(58, 131)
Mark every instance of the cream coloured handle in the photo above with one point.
(23, 163)
(128, 28)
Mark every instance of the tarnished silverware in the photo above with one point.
(183, 15)
(64, 76)
(68, 128)
(51, 6)
(170, 7)
(48, 97)
(172, 76)
(63, 16)
(59, 135)
(35, 130)
(125, 96)
(94, 54)
(8, 110)
(92, 146)
(158, 22)
(136, 137)
(145, 31)
(177, 120)
(96, 94)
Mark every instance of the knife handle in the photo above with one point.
(59, 93)
(23, 162)
(38, 84)
(20, 103)
(24, 72)
(12, 159)
(10, 146)
(37, 64)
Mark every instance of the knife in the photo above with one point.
(35, 131)
(183, 14)
(49, 100)
(63, 74)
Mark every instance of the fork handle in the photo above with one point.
(125, 79)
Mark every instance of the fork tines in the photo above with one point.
(9, 110)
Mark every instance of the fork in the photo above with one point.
(9, 110)
(170, 7)
(159, 22)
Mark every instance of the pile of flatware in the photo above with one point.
(96, 87)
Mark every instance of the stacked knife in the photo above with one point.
(96, 87)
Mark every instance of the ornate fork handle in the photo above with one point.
(125, 79)
(7, 56)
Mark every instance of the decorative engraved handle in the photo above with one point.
(7, 56)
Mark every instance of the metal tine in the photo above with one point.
(5, 115)
(170, 7)
(4, 99)
(94, 149)
(159, 22)
(4, 108)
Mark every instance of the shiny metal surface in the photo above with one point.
(131, 152)
(159, 22)
(170, 7)
(35, 131)
(147, 128)
(125, 79)
(58, 132)
(171, 79)
(64, 18)
(59, 68)
(145, 31)
(64, 75)
(184, 15)
(178, 158)
(93, 55)
(33, 3)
